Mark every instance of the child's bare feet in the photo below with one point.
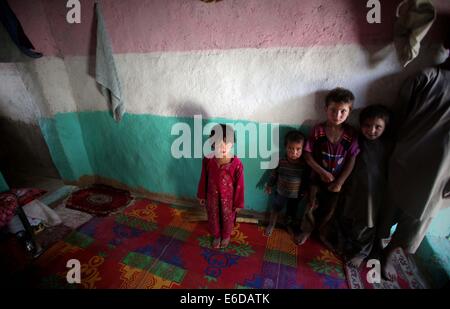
(224, 243)
(356, 261)
(387, 266)
(301, 238)
(268, 231)
(216, 243)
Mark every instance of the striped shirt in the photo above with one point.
(288, 177)
(332, 156)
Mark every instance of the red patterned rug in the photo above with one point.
(8, 205)
(408, 275)
(150, 245)
(99, 200)
(26, 195)
(14, 198)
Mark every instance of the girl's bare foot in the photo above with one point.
(301, 238)
(268, 231)
(216, 243)
(224, 243)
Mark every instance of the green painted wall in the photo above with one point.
(137, 152)
(66, 141)
(3, 185)
(440, 226)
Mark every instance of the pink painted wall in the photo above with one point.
(142, 26)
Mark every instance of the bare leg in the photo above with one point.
(308, 222)
(224, 243)
(301, 238)
(272, 222)
(216, 243)
(388, 271)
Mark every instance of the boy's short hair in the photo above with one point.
(375, 111)
(293, 136)
(227, 132)
(339, 95)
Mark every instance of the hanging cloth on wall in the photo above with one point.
(414, 19)
(15, 30)
(105, 68)
(3, 185)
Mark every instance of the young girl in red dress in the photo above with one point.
(221, 186)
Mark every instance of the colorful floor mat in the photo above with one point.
(408, 275)
(51, 235)
(149, 245)
(99, 200)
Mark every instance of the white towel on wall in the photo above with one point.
(105, 68)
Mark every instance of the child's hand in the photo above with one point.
(312, 204)
(237, 210)
(202, 201)
(335, 187)
(327, 177)
(268, 190)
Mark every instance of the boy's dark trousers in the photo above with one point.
(279, 201)
(291, 204)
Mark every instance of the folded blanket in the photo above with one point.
(38, 210)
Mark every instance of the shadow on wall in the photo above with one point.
(377, 40)
(24, 150)
(370, 35)
(186, 169)
(319, 109)
(385, 90)
(8, 50)
(92, 46)
(137, 151)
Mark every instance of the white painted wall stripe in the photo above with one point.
(284, 85)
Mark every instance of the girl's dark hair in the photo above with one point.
(225, 130)
(339, 95)
(375, 111)
(293, 136)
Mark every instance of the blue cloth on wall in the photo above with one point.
(15, 30)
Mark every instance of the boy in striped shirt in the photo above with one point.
(288, 180)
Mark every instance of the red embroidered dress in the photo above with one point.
(223, 188)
